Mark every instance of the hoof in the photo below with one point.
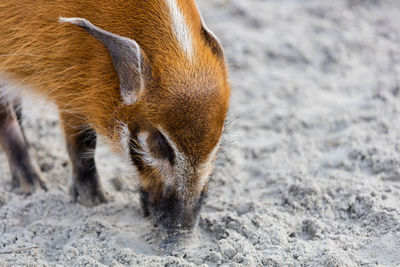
(87, 196)
(28, 182)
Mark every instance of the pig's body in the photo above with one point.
(160, 98)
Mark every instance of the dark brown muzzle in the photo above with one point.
(174, 215)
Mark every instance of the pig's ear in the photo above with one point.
(129, 60)
(213, 42)
(211, 38)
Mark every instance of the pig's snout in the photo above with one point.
(174, 215)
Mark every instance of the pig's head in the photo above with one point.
(173, 109)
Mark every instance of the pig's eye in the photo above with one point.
(159, 147)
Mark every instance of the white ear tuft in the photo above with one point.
(76, 21)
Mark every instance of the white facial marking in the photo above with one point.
(124, 136)
(205, 169)
(180, 27)
(145, 150)
(182, 168)
(162, 165)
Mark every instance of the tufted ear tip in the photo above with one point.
(61, 19)
(76, 21)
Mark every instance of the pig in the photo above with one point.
(148, 76)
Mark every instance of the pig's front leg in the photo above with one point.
(24, 171)
(81, 144)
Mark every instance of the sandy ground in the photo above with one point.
(310, 170)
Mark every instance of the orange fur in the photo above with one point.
(188, 98)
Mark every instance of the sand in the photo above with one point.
(309, 174)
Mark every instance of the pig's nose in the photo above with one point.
(174, 217)
(170, 242)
